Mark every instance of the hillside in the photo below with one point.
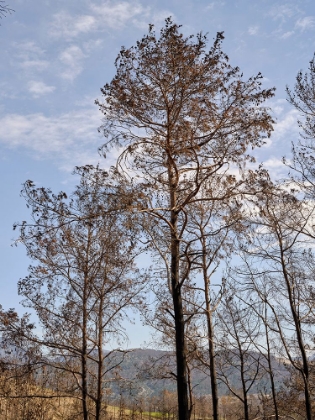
(148, 372)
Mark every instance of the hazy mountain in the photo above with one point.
(152, 371)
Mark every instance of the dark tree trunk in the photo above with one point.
(271, 374)
(213, 374)
(181, 357)
(99, 392)
(84, 368)
(245, 399)
(305, 364)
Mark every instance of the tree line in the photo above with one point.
(229, 288)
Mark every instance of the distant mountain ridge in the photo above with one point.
(150, 372)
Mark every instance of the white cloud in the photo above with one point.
(278, 106)
(70, 139)
(253, 30)
(72, 58)
(157, 19)
(277, 109)
(273, 162)
(27, 48)
(30, 56)
(66, 25)
(287, 125)
(102, 16)
(38, 88)
(92, 45)
(38, 65)
(282, 12)
(287, 35)
(305, 23)
(160, 16)
(115, 15)
(214, 4)
(276, 168)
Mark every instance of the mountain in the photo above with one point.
(148, 371)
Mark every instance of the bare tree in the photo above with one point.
(83, 280)
(302, 97)
(257, 292)
(182, 116)
(279, 261)
(211, 229)
(239, 365)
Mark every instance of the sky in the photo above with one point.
(56, 55)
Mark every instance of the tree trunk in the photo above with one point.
(245, 400)
(84, 367)
(213, 374)
(99, 391)
(305, 364)
(271, 375)
(181, 358)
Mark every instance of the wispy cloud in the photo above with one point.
(253, 30)
(286, 126)
(69, 139)
(276, 168)
(38, 65)
(282, 12)
(273, 162)
(156, 17)
(115, 15)
(101, 16)
(30, 56)
(287, 35)
(72, 58)
(38, 88)
(28, 48)
(69, 26)
(305, 23)
(214, 4)
(92, 45)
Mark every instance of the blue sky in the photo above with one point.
(56, 55)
